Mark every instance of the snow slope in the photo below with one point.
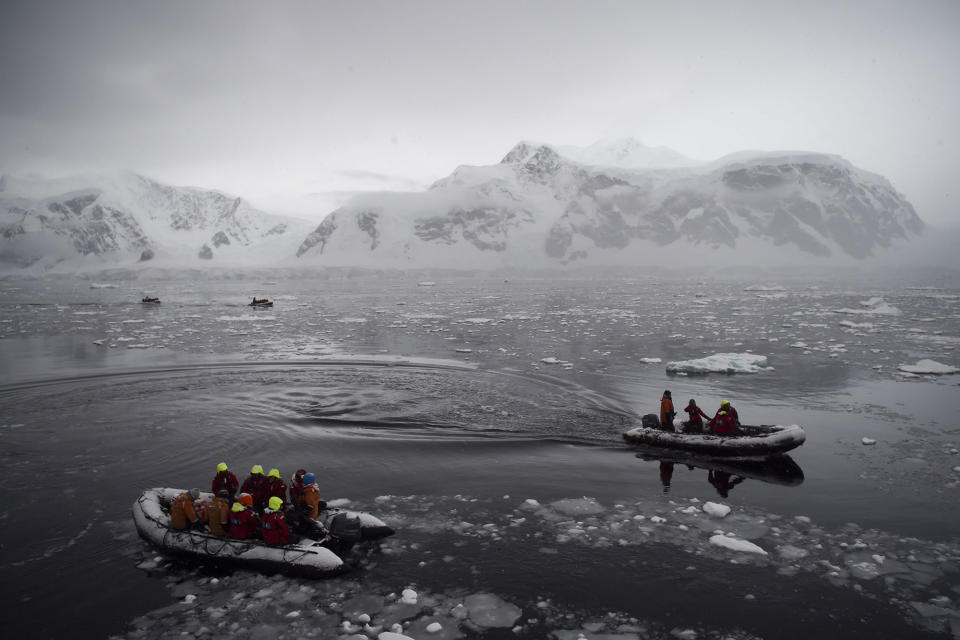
(123, 218)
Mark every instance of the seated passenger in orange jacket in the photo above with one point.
(218, 513)
(310, 501)
(183, 514)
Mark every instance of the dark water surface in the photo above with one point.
(482, 418)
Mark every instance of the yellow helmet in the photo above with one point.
(257, 469)
(274, 473)
(221, 467)
(724, 403)
(275, 503)
(237, 507)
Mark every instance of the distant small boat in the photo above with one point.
(150, 300)
(260, 302)
(751, 442)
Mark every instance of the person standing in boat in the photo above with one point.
(694, 422)
(225, 480)
(275, 529)
(276, 488)
(244, 521)
(256, 486)
(666, 411)
(183, 512)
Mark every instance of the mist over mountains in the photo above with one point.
(613, 203)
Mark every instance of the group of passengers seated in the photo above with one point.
(724, 423)
(258, 509)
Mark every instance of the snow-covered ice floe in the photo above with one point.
(873, 306)
(930, 367)
(721, 363)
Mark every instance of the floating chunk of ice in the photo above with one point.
(722, 363)
(868, 441)
(734, 544)
(716, 509)
(409, 596)
(488, 611)
(578, 506)
(930, 367)
(790, 552)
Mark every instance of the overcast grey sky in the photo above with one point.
(263, 99)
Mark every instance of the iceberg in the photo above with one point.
(721, 363)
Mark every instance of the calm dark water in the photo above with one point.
(482, 418)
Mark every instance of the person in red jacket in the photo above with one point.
(722, 424)
(726, 406)
(694, 423)
(275, 529)
(276, 488)
(256, 486)
(296, 486)
(244, 521)
(225, 481)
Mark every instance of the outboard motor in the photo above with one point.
(650, 421)
(344, 532)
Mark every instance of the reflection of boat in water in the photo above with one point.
(150, 300)
(751, 442)
(724, 475)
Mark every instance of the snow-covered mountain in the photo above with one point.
(124, 218)
(627, 153)
(538, 207)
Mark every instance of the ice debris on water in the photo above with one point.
(735, 544)
(716, 509)
(868, 441)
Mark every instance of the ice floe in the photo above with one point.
(873, 306)
(929, 367)
(721, 363)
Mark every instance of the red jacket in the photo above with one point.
(296, 486)
(256, 486)
(275, 529)
(723, 425)
(730, 412)
(276, 488)
(695, 414)
(244, 524)
(225, 480)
